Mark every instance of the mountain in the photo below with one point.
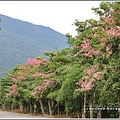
(20, 40)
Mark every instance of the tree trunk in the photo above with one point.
(42, 108)
(12, 106)
(35, 108)
(50, 109)
(52, 106)
(21, 107)
(30, 106)
(3, 106)
(119, 103)
(25, 107)
(66, 108)
(58, 109)
(84, 105)
(91, 110)
(99, 114)
(91, 105)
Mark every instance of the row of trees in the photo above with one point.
(87, 74)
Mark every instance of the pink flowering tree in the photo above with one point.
(98, 41)
(24, 78)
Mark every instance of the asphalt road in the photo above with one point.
(4, 114)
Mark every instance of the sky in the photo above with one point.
(58, 15)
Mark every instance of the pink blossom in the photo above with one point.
(24, 67)
(118, 34)
(103, 44)
(21, 73)
(90, 71)
(38, 88)
(97, 75)
(102, 40)
(80, 82)
(76, 54)
(113, 11)
(85, 45)
(87, 86)
(76, 46)
(12, 88)
(77, 83)
(34, 93)
(36, 62)
(110, 20)
(89, 24)
(79, 89)
(82, 51)
(107, 48)
(95, 52)
(35, 75)
(118, 27)
(88, 54)
(91, 53)
(95, 35)
(43, 76)
(98, 23)
(13, 79)
(111, 31)
(85, 77)
(39, 74)
(94, 28)
(93, 80)
(79, 52)
(20, 77)
(48, 82)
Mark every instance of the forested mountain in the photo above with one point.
(21, 40)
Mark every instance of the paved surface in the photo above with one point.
(4, 114)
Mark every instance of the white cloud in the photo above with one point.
(59, 15)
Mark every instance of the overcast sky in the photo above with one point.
(58, 15)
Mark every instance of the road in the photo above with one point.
(4, 114)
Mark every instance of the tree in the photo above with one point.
(100, 44)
